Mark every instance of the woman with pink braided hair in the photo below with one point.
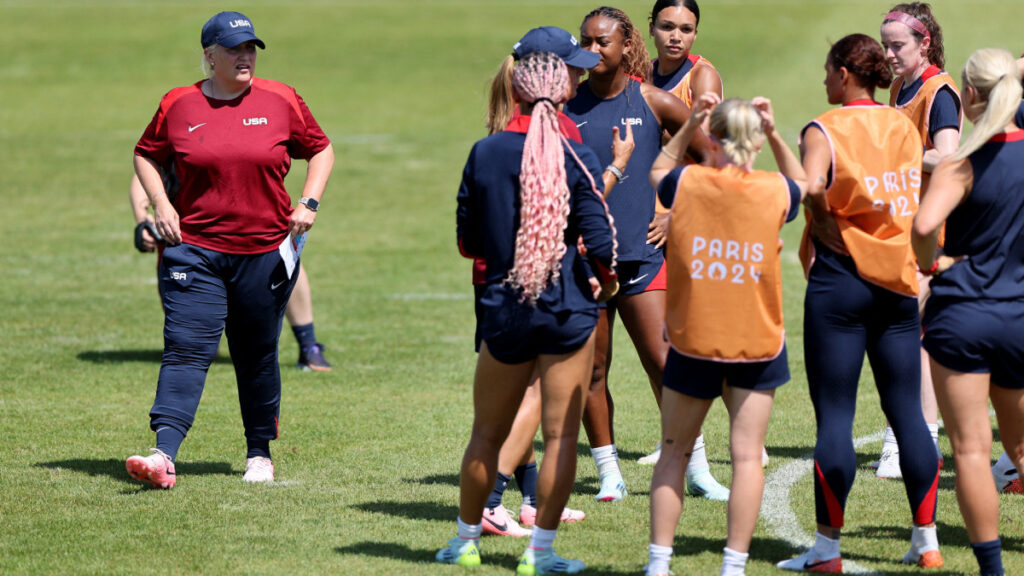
(527, 196)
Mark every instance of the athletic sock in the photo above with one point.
(824, 547)
(659, 558)
(526, 479)
(257, 448)
(890, 439)
(607, 460)
(469, 531)
(924, 538)
(541, 539)
(989, 555)
(305, 335)
(168, 440)
(698, 458)
(499, 490)
(733, 563)
(934, 430)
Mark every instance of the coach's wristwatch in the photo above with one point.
(310, 203)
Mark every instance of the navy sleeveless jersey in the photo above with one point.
(669, 80)
(988, 227)
(631, 202)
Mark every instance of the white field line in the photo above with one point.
(777, 513)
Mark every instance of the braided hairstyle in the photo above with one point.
(542, 79)
(637, 62)
(923, 12)
(994, 75)
(864, 58)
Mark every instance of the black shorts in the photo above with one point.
(702, 378)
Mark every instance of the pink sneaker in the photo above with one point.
(499, 522)
(157, 470)
(528, 515)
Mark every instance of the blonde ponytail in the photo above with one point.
(501, 105)
(737, 125)
(994, 76)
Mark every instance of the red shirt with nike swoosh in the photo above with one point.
(231, 158)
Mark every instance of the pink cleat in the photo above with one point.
(499, 522)
(157, 470)
(528, 515)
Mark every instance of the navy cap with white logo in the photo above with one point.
(558, 41)
(229, 29)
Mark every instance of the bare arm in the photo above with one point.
(165, 216)
(672, 113)
(672, 152)
(622, 151)
(784, 157)
(946, 142)
(949, 185)
(319, 171)
(817, 160)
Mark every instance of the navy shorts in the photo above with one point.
(517, 333)
(704, 378)
(637, 277)
(977, 337)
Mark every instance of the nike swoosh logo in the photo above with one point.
(191, 128)
(809, 566)
(637, 279)
(582, 123)
(278, 285)
(499, 527)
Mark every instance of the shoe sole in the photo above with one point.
(139, 469)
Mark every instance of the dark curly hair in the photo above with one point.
(863, 57)
(638, 61)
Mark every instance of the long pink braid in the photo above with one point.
(542, 79)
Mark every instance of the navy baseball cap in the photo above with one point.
(229, 29)
(558, 41)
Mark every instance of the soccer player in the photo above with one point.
(724, 316)
(863, 164)
(231, 256)
(528, 194)
(615, 95)
(928, 96)
(975, 315)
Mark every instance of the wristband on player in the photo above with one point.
(615, 172)
(930, 271)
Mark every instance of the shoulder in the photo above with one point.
(176, 94)
(661, 100)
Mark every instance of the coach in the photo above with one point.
(231, 263)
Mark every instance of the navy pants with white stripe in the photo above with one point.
(207, 293)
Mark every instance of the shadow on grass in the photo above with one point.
(949, 535)
(449, 479)
(114, 468)
(411, 510)
(398, 551)
(121, 356)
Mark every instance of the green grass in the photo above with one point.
(369, 454)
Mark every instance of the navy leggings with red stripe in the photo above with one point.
(844, 317)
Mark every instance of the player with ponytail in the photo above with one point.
(861, 295)
(536, 309)
(975, 315)
(727, 337)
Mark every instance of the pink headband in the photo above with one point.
(914, 24)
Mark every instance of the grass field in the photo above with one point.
(368, 456)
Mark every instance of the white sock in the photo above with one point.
(923, 539)
(890, 440)
(934, 430)
(825, 548)
(542, 539)
(607, 460)
(733, 562)
(469, 531)
(698, 458)
(659, 559)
